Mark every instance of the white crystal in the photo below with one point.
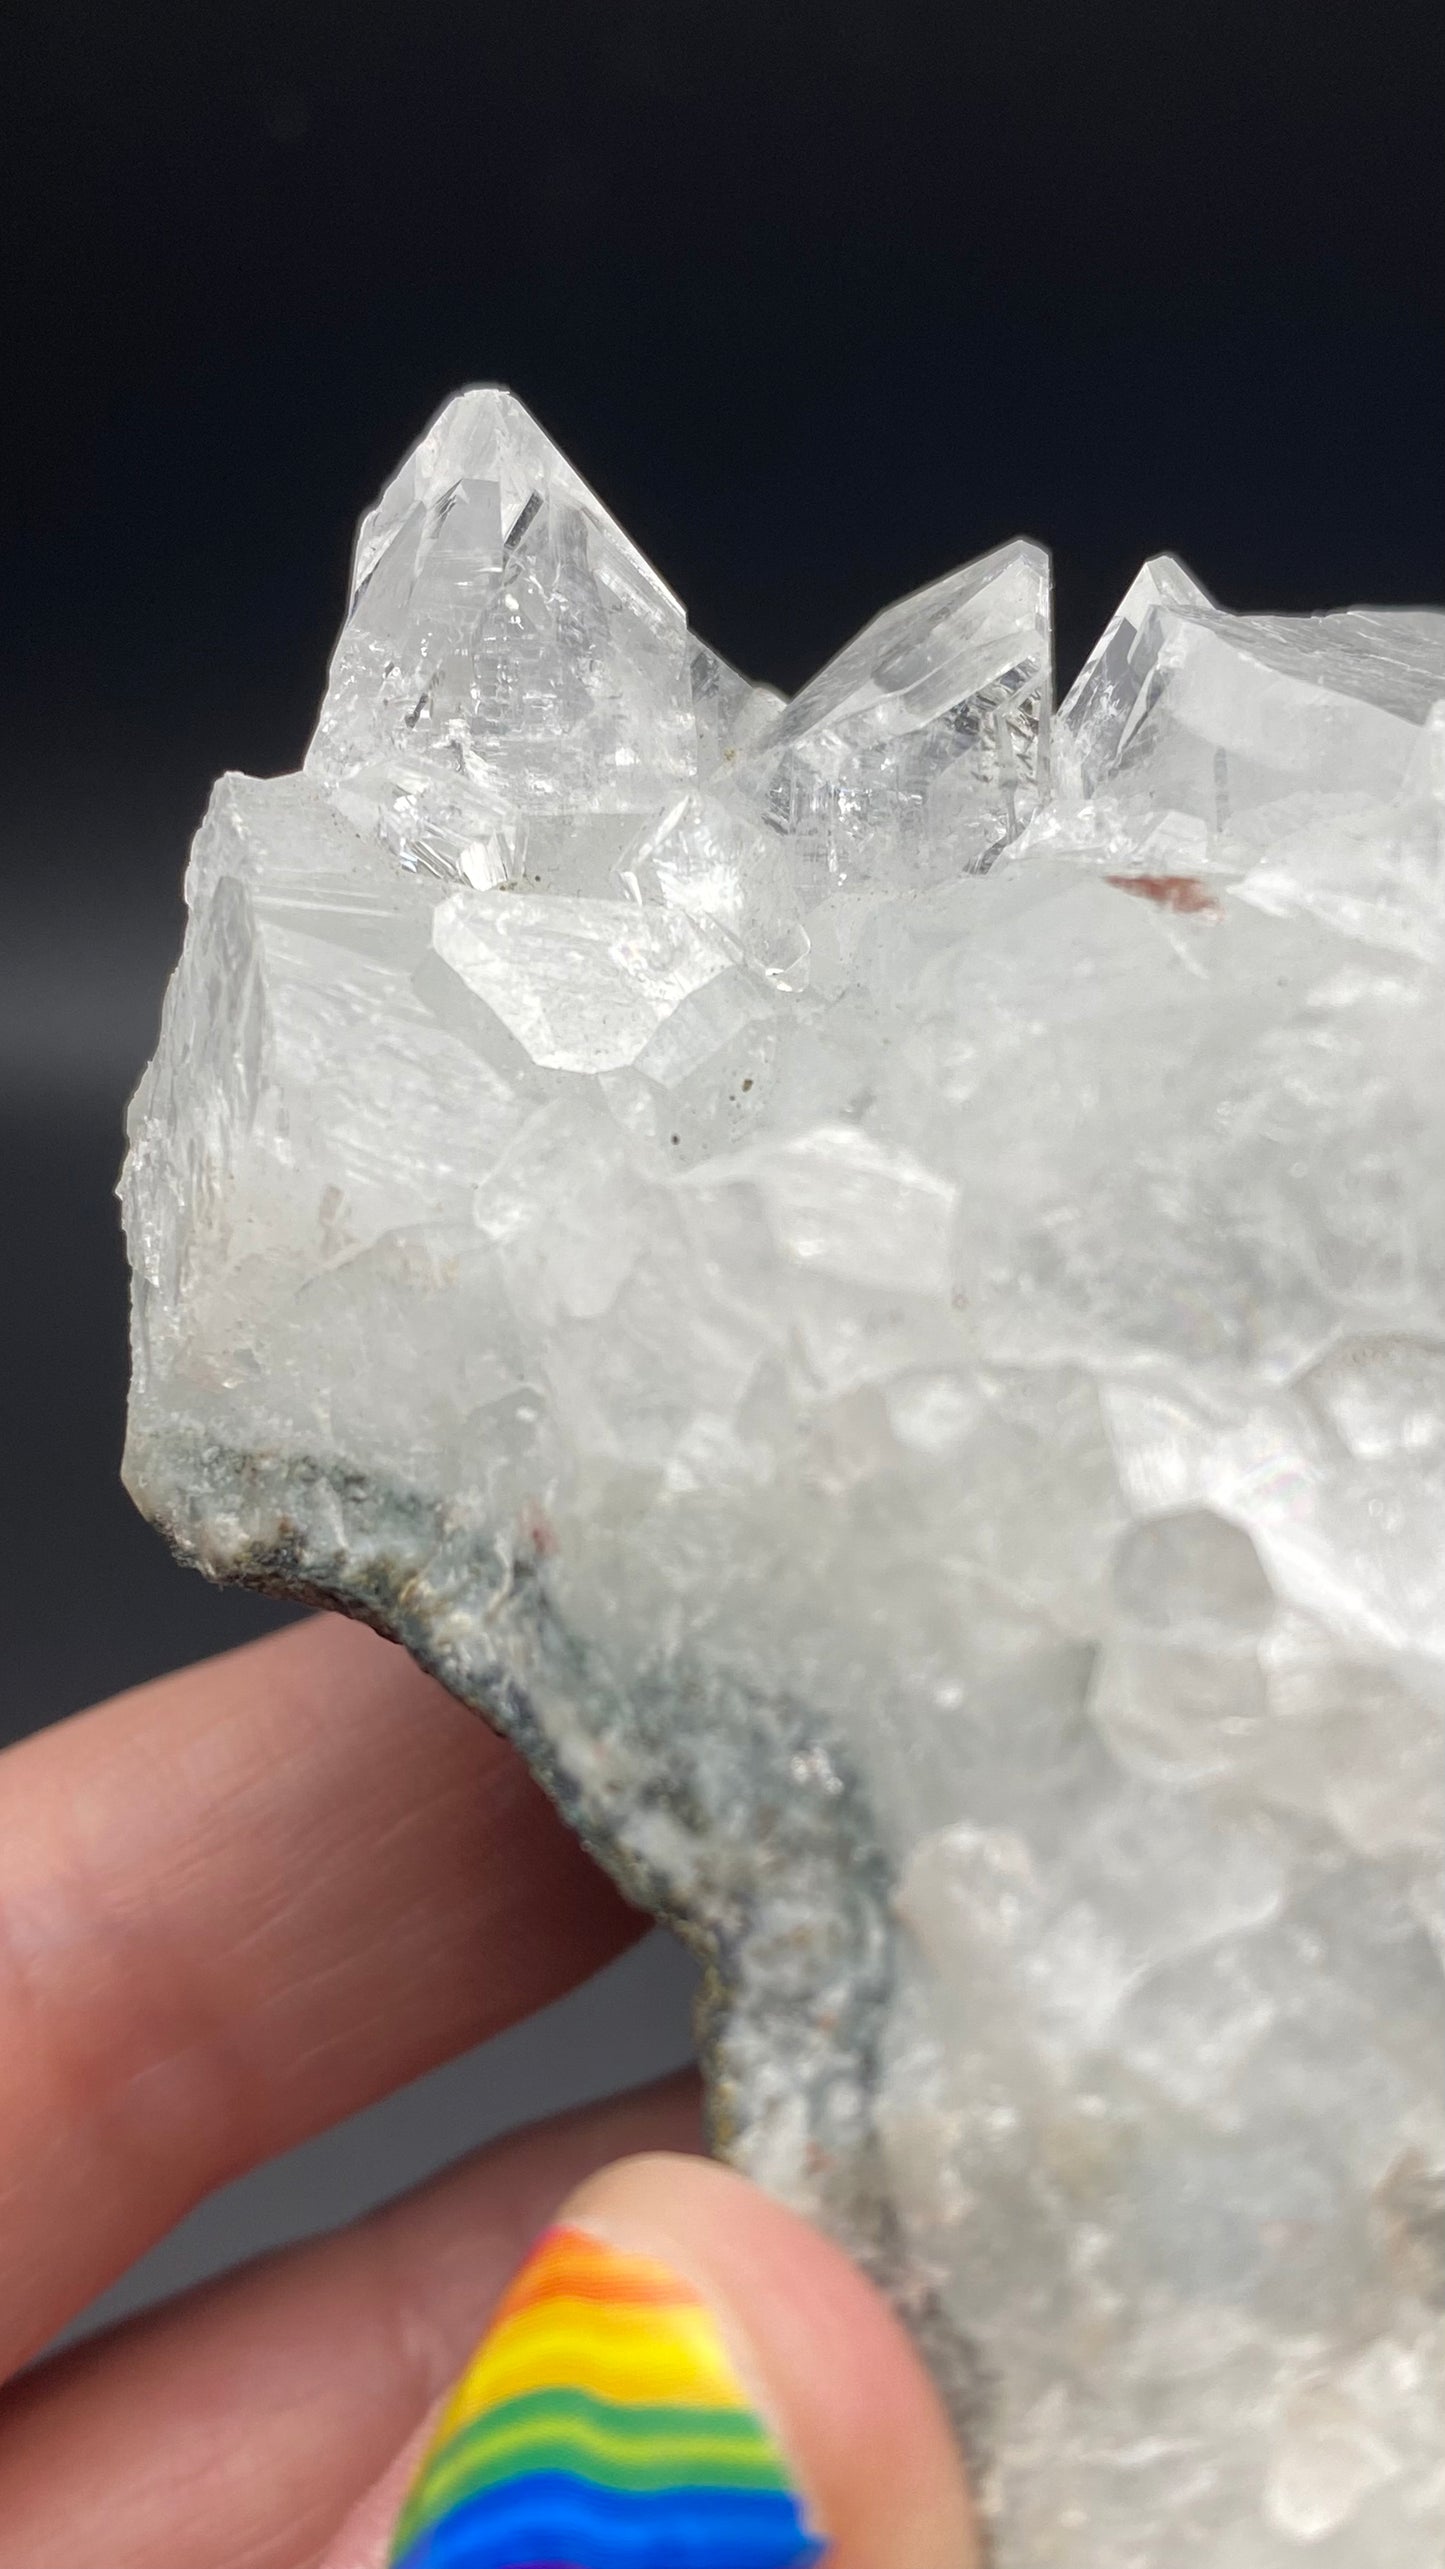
(911, 1374)
(840, 1204)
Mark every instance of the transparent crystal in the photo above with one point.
(878, 1300)
(582, 985)
(507, 656)
(922, 749)
(1196, 738)
(1103, 700)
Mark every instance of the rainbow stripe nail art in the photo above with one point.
(601, 2426)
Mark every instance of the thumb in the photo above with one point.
(682, 2376)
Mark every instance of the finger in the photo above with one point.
(365, 2537)
(237, 1905)
(234, 2428)
(682, 2370)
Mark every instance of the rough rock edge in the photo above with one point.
(744, 1829)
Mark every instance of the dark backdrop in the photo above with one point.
(822, 297)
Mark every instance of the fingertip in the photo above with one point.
(683, 2367)
(831, 2366)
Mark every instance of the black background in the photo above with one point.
(821, 298)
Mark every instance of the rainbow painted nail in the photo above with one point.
(601, 2426)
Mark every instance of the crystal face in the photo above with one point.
(868, 1278)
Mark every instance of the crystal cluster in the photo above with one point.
(867, 1276)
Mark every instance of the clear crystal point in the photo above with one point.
(508, 655)
(1191, 732)
(923, 748)
(1104, 698)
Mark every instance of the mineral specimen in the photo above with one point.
(869, 1282)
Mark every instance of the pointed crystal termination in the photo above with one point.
(911, 759)
(1188, 726)
(923, 748)
(1104, 698)
(508, 657)
(913, 1386)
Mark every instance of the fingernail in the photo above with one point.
(602, 2425)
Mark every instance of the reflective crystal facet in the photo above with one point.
(507, 657)
(874, 1292)
(1200, 737)
(923, 748)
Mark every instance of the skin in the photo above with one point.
(236, 1906)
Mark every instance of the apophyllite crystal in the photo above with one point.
(867, 1277)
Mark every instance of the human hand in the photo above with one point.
(236, 1906)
